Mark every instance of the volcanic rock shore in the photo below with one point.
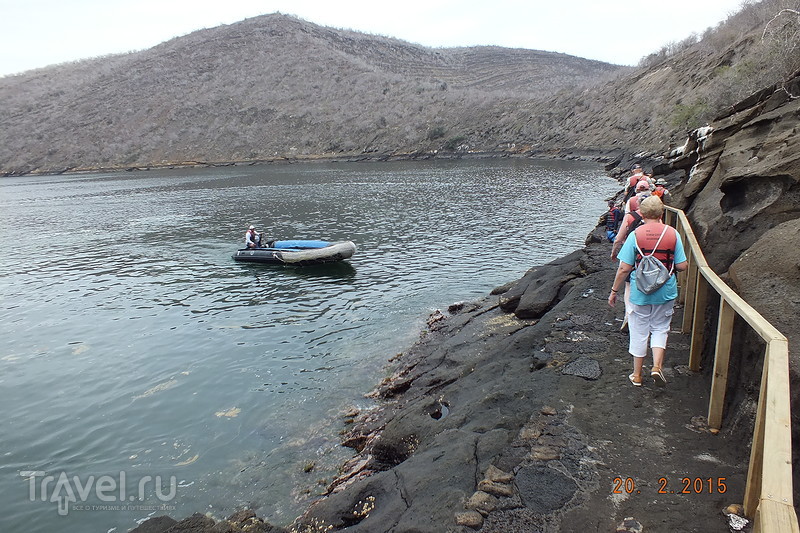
(514, 413)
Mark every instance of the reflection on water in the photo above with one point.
(133, 342)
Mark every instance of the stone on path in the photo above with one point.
(482, 502)
(629, 525)
(469, 519)
(584, 367)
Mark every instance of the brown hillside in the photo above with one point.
(275, 86)
(265, 87)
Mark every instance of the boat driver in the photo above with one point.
(251, 238)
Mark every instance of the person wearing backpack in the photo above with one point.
(612, 220)
(630, 186)
(642, 192)
(630, 222)
(650, 307)
(661, 191)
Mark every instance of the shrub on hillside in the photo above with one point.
(453, 143)
(436, 133)
(687, 117)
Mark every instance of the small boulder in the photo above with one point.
(483, 502)
(240, 518)
(544, 453)
(495, 474)
(529, 433)
(472, 519)
(156, 524)
(629, 525)
(498, 489)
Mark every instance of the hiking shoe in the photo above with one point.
(634, 381)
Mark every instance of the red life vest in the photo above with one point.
(659, 191)
(647, 236)
(634, 219)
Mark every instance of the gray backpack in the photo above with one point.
(651, 274)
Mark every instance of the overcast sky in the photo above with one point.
(37, 33)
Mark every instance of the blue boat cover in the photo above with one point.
(300, 244)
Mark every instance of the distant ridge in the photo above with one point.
(277, 87)
(269, 86)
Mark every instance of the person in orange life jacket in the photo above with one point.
(650, 314)
(630, 222)
(661, 190)
(642, 192)
(648, 179)
(636, 174)
(612, 220)
(630, 187)
(251, 238)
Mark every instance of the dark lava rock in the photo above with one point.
(197, 523)
(584, 367)
(539, 289)
(157, 524)
(544, 490)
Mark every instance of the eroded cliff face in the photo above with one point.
(742, 196)
(741, 192)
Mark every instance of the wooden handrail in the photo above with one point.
(768, 498)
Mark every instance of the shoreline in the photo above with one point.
(597, 155)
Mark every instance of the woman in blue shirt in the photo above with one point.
(650, 314)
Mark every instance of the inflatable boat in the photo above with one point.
(297, 252)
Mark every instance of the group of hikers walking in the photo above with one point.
(638, 187)
(649, 253)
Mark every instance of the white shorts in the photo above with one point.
(649, 322)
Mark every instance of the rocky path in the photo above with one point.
(654, 458)
(497, 423)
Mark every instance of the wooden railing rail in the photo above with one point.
(768, 498)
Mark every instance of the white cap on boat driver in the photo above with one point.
(252, 227)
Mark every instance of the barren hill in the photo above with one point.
(268, 86)
(279, 87)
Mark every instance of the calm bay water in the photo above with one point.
(133, 346)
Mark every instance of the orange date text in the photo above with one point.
(684, 485)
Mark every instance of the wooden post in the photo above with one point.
(752, 490)
(690, 293)
(683, 287)
(776, 466)
(689, 258)
(773, 516)
(698, 329)
(722, 354)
